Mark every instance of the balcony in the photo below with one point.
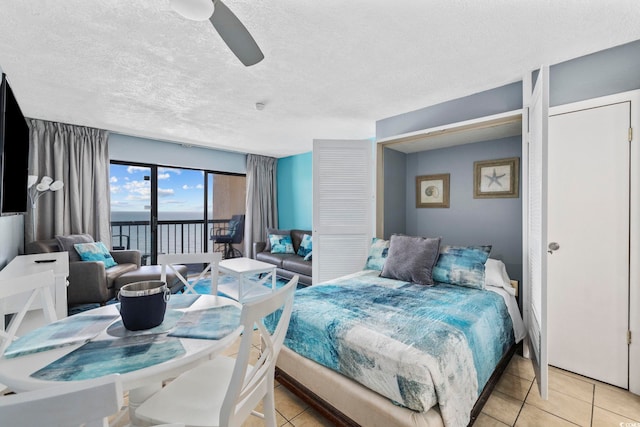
(174, 236)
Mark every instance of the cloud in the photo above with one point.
(115, 188)
(197, 187)
(169, 170)
(163, 176)
(165, 192)
(135, 169)
(113, 179)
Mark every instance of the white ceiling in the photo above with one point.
(331, 68)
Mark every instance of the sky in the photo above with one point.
(179, 190)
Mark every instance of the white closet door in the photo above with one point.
(343, 207)
(535, 296)
(588, 276)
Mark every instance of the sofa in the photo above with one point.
(90, 282)
(287, 264)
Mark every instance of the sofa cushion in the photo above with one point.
(274, 231)
(95, 251)
(305, 246)
(66, 243)
(275, 259)
(297, 265)
(42, 246)
(296, 238)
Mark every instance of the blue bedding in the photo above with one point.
(416, 345)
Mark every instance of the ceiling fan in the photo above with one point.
(226, 23)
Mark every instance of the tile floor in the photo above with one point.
(515, 401)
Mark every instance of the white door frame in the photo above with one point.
(634, 203)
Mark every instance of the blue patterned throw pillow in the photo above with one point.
(462, 265)
(308, 256)
(281, 244)
(378, 253)
(305, 245)
(95, 251)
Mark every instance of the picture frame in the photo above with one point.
(432, 191)
(496, 179)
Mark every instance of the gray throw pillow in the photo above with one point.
(411, 259)
(274, 231)
(67, 243)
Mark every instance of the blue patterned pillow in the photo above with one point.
(462, 265)
(95, 251)
(281, 244)
(305, 245)
(308, 256)
(378, 253)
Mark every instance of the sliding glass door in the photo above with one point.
(131, 214)
(158, 209)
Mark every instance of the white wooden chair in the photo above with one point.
(72, 404)
(30, 287)
(210, 259)
(224, 391)
(77, 403)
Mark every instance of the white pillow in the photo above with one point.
(495, 274)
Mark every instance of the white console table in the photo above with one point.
(23, 265)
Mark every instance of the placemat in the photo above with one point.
(121, 355)
(71, 330)
(211, 323)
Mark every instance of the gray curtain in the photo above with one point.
(262, 200)
(79, 157)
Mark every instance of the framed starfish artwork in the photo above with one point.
(496, 178)
(432, 191)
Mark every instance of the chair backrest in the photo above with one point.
(238, 232)
(30, 287)
(209, 259)
(246, 389)
(72, 404)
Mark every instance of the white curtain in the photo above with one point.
(79, 157)
(262, 200)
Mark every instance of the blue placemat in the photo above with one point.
(211, 323)
(71, 330)
(99, 358)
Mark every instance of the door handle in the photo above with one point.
(553, 246)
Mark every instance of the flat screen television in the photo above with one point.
(14, 153)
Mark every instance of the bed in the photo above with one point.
(374, 351)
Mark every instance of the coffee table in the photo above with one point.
(242, 269)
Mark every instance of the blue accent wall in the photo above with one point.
(295, 192)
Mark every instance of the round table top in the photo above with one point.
(134, 349)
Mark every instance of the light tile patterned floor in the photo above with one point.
(515, 401)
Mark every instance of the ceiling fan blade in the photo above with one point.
(235, 35)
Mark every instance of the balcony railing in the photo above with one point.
(177, 236)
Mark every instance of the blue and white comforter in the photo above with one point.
(416, 345)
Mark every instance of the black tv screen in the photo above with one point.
(14, 152)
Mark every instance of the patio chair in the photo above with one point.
(210, 260)
(224, 391)
(234, 234)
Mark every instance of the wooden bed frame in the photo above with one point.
(341, 420)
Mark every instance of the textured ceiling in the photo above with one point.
(331, 68)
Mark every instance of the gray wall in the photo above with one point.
(602, 73)
(468, 221)
(11, 238)
(143, 150)
(494, 101)
(395, 185)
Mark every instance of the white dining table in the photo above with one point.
(18, 372)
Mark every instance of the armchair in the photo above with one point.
(89, 281)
